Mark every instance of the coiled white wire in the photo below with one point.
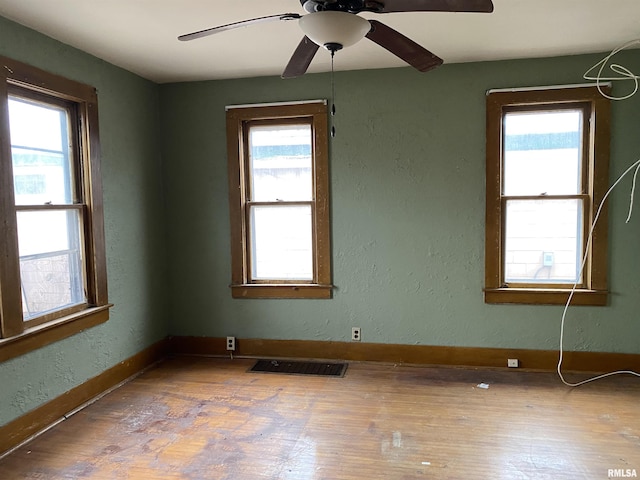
(625, 74)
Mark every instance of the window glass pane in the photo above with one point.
(543, 241)
(51, 269)
(542, 153)
(40, 153)
(280, 163)
(281, 244)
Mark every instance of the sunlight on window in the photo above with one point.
(542, 157)
(35, 125)
(542, 153)
(50, 260)
(281, 227)
(39, 150)
(281, 243)
(49, 240)
(543, 241)
(280, 163)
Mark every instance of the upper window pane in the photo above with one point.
(280, 163)
(40, 153)
(542, 153)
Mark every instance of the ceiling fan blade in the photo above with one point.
(301, 59)
(243, 23)
(481, 6)
(403, 47)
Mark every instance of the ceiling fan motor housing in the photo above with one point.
(334, 30)
(351, 6)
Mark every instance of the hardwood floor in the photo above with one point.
(203, 418)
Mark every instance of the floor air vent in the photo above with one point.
(300, 368)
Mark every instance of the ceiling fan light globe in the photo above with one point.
(333, 27)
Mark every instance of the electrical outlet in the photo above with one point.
(355, 334)
(513, 363)
(231, 343)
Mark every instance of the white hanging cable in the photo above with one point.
(633, 191)
(623, 72)
(635, 165)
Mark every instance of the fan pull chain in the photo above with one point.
(333, 97)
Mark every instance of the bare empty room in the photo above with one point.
(319, 239)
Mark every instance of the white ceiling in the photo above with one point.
(140, 35)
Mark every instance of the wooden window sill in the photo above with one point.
(534, 296)
(53, 331)
(252, 290)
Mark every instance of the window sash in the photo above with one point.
(252, 259)
(73, 201)
(582, 181)
(77, 264)
(583, 171)
(254, 186)
(248, 203)
(70, 148)
(581, 242)
(585, 140)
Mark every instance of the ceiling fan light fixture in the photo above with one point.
(334, 30)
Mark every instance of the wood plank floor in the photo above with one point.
(202, 418)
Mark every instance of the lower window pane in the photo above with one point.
(281, 244)
(543, 241)
(51, 264)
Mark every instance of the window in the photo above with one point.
(279, 201)
(53, 273)
(547, 172)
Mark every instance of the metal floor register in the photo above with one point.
(300, 368)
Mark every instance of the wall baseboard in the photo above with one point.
(22, 428)
(543, 360)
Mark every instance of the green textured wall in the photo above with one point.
(407, 179)
(134, 227)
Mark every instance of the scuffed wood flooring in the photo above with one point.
(203, 418)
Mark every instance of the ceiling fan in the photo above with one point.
(334, 24)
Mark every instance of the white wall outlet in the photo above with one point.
(231, 343)
(355, 334)
(513, 363)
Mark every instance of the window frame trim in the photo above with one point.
(19, 337)
(237, 118)
(595, 291)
